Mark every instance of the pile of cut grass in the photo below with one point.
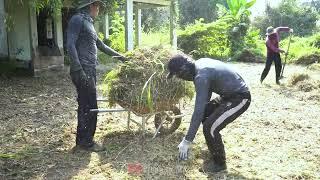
(140, 84)
(314, 66)
(303, 82)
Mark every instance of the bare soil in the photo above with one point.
(277, 138)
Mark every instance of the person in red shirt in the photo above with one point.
(273, 51)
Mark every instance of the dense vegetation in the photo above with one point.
(216, 28)
(233, 36)
(302, 18)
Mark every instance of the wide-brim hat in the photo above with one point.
(84, 3)
(270, 30)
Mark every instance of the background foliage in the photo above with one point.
(222, 38)
(289, 13)
(191, 10)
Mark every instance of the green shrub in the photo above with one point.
(221, 39)
(249, 55)
(117, 36)
(316, 41)
(301, 50)
(207, 40)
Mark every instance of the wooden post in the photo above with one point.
(105, 27)
(129, 25)
(59, 33)
(35, 60)
(173, 21)
(137, 27)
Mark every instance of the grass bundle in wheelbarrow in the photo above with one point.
(140, 84)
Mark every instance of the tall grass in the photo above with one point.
(161, 37)
(300, 46)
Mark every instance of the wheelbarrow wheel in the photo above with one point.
(169, 125)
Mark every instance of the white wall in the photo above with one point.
(19, 35)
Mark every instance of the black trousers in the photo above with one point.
(87, 99)
(217, 116)
(278, 66)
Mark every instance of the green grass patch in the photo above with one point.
(156, 38)
(302, 49)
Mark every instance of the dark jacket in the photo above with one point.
(212, 76)
(83, 42)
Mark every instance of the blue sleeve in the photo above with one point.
(106, 49)
(202, 96)
(74, 28)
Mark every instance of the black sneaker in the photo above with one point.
(278, 82)
(93, 148)
(211, 167)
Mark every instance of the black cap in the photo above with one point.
(175, 63)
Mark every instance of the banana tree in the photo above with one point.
(239, 10)
(239, 7)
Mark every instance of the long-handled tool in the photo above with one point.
(285, 57)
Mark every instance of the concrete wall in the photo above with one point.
(3, 32)
(19, 35)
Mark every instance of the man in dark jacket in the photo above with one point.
(82, 45)
(273, 51)
(211, 77)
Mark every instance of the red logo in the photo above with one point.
(135, 168)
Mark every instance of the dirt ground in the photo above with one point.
(277, 138)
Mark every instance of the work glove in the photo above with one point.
(291, 31)
(83, 76)
(184, 149)
(121, 58)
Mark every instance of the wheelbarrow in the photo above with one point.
(165, 122)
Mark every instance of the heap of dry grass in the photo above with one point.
(314, 66)
(303, 82)
(308, 86)
(141, 85)
(297, 77)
